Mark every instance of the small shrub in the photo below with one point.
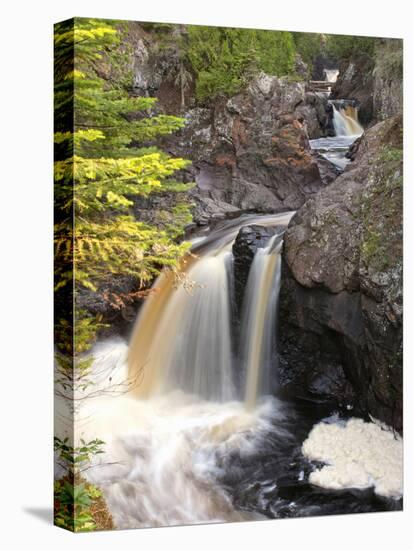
(79, 505)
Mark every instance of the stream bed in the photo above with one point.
(334, 148)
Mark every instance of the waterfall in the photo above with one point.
(182, 337)
(347, 129)
(190, 344)
(182, 446)
(331, 75)
(345, 120)
(259, 318)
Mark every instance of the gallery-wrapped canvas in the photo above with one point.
(228, 274)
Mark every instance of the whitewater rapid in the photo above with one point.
(166, 459)
(164, 456)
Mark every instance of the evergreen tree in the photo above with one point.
(225, 58)
(345, 47)
(309, 45)
(101, 165)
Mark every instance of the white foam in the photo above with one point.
(357, 454)
(162, 460)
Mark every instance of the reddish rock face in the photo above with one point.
(236, 163)
(251, 151)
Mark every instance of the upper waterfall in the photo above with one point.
(345, 119)
(347, 128)
(331, 75)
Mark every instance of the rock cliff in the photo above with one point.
(251, 151)
(376, 84)
(341, 297)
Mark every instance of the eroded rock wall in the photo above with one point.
(249, 151)
(341, 296)
(374, 82)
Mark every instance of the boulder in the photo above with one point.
(328, 170)
(314, 112)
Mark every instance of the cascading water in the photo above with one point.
(331, 75)
(167, 343)
(259, 320)
(182, 339)
(347, 129)
(345, 120)
(169, 436)
(345, 123)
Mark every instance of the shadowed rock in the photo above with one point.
(341, 298)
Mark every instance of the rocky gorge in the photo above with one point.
(340, 302)
(234, 335)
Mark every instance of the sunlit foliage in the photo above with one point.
(104, 159)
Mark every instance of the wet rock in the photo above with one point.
(207, 209)
(352, 152)
(328, 170)
(315, 114)
(341, 297)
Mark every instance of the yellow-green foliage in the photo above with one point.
(117, 246)
(78, 505)
(100, 183)
(103, 161)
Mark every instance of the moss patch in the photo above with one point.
(381, 209)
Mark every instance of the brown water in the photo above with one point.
(346, 121)
(182, 338)
(186, 444)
